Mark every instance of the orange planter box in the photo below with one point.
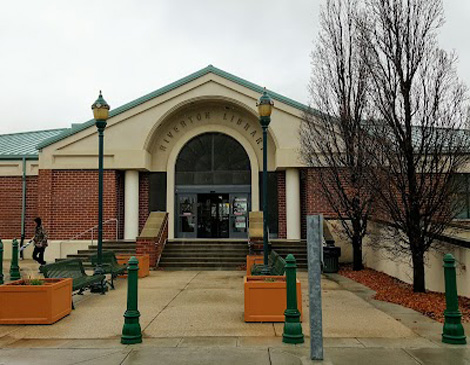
(35, 304)
(266, 298)
(144, 263)
(252, 260)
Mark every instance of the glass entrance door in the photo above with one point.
(239, 208)
(213, 216)
(187, 215)
(210, 214)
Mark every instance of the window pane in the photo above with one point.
(462, 187)
(462, 206)
(188, 224)
(213, 159)
(196, 155)
(187, 205)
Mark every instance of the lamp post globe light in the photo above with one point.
(100, 112)
(265, 107)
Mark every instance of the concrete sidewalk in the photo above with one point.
(207, 354)
(197, 318)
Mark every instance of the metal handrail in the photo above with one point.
(162, 230)
(90, 230)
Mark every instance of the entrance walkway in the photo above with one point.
(197, 317)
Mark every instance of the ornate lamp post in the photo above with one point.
(265, 107)
(101, 112)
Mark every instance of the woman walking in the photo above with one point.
(40, 242)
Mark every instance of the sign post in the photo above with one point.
(314, 253)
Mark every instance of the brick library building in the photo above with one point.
(192, 150)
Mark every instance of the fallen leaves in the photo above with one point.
(389, 289)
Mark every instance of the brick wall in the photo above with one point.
(68, 202)
(143, 199)
(313, 201)
(281, 204)
(45, 185)
(303, 205)
(11, 192)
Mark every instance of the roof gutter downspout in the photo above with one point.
(23, 209)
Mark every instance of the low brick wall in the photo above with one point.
(153, 238)
(11, 193)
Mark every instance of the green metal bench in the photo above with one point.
(73, 268)
(109, 264)
(276, 265)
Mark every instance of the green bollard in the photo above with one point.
(292, 326)
(453, 331)
(131, 331)
(1, 262)
(14, 268)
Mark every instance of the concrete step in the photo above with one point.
(196, 240)
(117, 251)
(119, 242)
(129, 246)
(294, 252)
(117, 246)
(185, 254)
(204, 255)
(202, 268)
(203, 252)
(289, 247)
(202, 259)
(178, 264)
(206, 246)
(83, 257)
(208, 243)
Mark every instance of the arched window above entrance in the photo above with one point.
(213, 159)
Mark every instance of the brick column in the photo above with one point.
(143, 199)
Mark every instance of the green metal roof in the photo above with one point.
(209, 69)
(23, 145)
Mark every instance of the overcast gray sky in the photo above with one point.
(57, 55)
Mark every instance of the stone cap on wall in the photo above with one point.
(153, 225)
(255, 230)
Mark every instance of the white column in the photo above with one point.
(131, 204)
(293, 203)
(170, 198)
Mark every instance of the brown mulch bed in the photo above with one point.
(392, 290)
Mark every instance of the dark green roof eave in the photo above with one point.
(19, 157)
(170, 87)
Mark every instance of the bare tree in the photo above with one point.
(467, 119)
(332, 141)
(419, 104)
